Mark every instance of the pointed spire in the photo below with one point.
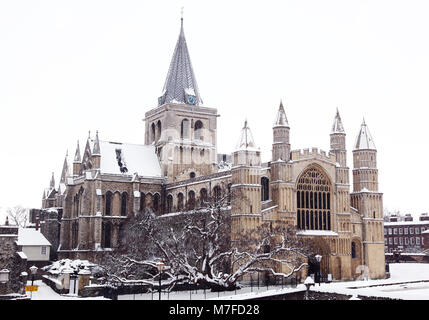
(96, 149)
(65, 172)
(337, 127)
(77, 154)
(52, 184)
(180, 85)
(281, 119)
(364, 139)
(246, 141)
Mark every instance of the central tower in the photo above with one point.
(182, 130)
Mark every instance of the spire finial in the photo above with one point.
(363, 121)
(89, 134)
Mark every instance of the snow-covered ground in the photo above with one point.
(44, 292)
(409, 281)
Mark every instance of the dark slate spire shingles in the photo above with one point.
(180, 81)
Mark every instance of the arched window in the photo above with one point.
(75, 234)
(313, 200)
(353, 250)
(158, 130)
(169, 203)
(203, 196)
(180, 202)
(107, 235)
(265, 188)
(124, 199)
(191, 200)
(192, 175)
(198, 130)
(156, 203)
(184, 129)
(108, 208)
(153, 132)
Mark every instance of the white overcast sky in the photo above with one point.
(67, 67)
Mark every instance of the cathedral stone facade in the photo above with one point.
(178, 166)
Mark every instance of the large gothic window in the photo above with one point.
(313, 198)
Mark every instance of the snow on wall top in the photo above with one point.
(31, 237)
(124, 158)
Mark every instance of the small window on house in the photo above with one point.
(43, 251)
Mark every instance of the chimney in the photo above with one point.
(37, 222)
(7, 221)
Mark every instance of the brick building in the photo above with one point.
(405, 234)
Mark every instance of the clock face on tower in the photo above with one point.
(191, 99)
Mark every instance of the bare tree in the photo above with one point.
(18, 216)
(197, 248)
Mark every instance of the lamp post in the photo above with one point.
(4, 279)
(33, 271)
(160, 266)
(319, 274)
(308, 282)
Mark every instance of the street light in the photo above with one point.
(308, 282)
(160, 265)
(4, 276)
(33, 270)
(319, 274)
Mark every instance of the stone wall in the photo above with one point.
(9, 259)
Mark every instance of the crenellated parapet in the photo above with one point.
(313, 153)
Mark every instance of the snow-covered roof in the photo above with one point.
(281, 120)
(129, 158)
(364, 139)
(337, 127)
(22, 255)
(60, 266)
(407, 223)
(31, 237)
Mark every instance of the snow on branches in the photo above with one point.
(196, 247)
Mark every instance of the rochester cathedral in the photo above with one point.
(178, 166)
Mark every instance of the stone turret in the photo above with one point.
(246, 185)
(368, 201)
(281, 145)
